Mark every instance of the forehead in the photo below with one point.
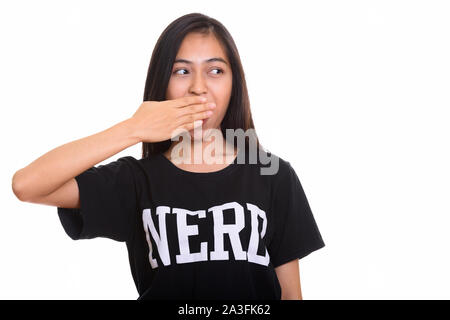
(198, 47)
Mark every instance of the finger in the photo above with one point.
(191, 117)
(195, 108)
(186, 127)
(191, 125)
(186, 101)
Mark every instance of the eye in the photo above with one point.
(175, 72)
(221, 71)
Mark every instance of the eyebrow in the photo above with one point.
(205, 61)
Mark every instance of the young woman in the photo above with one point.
(194, 229)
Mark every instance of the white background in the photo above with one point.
(354, 94)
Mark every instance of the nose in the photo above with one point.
(198, 85)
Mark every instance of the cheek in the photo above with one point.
(222, 100)
(221, 107)
(220, 113)
(175, 89)
(220, 93)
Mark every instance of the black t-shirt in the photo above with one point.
(189, 235)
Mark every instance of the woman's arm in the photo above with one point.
(153, 121)
(289, 277)
(55, 168)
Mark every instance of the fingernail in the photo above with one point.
(212, 105)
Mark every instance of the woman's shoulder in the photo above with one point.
(138, 165)
(273, 164)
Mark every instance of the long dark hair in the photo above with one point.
(238, 115)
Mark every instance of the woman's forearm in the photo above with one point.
(50, 171)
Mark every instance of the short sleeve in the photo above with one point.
(296, 233)
(108, 202)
